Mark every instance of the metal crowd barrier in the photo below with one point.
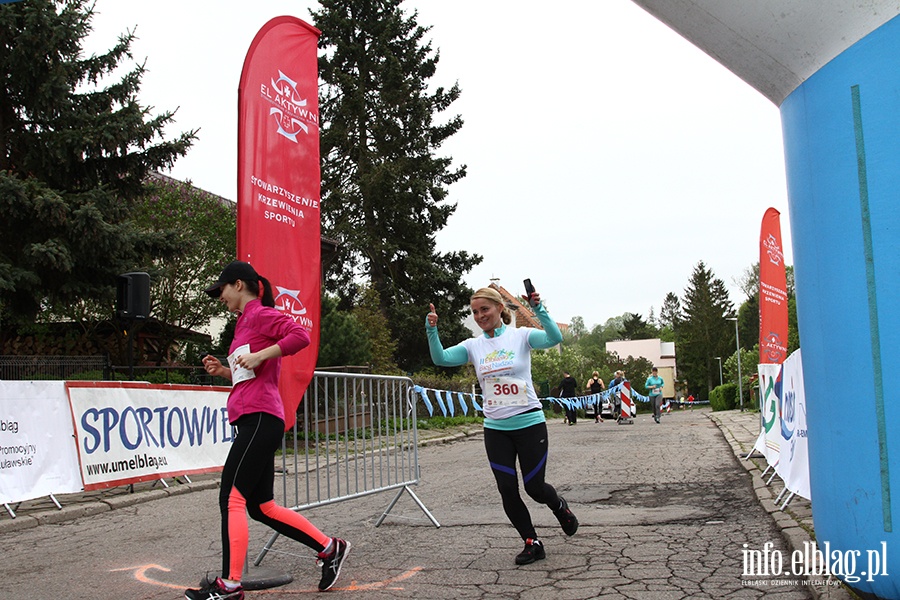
(355, 435)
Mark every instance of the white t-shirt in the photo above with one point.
(503, 367)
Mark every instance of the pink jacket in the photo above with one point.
(261, 326)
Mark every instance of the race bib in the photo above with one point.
(238, 373)
(504, 391)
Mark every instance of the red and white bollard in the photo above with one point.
(625, 412)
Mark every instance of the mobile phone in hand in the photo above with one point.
(529, 289)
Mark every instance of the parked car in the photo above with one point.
(607, 410)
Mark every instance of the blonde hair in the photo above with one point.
(595, 374)
(493, 295)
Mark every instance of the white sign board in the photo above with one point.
(793, 464)
(130, 432)
(37, 449)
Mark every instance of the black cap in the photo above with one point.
(230, 274)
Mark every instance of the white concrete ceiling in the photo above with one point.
(774, 45)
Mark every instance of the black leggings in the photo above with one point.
(530, 445)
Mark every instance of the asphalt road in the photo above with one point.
(665, 511)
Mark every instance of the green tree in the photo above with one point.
(611, 330)
(203, 227)
(749, 360)
(75, 149)
(343, 339)
(634, 327)
(577, 327)
(381, 345)
(705, 332)
(384, 185)
(547, 366)
(669, 317)
(749, 280)
(748, 323)
(593, 347)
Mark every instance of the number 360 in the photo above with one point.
(507, 389)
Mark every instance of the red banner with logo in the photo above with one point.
(278, 222)
(773, 306)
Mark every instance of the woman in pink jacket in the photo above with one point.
(255, 409)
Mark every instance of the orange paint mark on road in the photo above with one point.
(140, 573)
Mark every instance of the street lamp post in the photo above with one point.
(719, 358)
(737, 341)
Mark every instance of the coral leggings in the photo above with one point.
(248, 480)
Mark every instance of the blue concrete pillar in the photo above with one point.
(842, 149)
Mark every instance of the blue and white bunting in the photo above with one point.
(450, 404)
(425, 399)
(447, 404)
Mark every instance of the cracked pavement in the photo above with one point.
(664, 512)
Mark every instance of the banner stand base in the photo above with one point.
(261, 578)
(258, 578)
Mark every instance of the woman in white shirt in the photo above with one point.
(514, 424)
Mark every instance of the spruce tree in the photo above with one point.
(384, 184)
(75, 149)
(670, 313)
(704, 333)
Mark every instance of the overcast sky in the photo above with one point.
(606, 155)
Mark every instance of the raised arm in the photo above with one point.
(550, 336)
(449, 357)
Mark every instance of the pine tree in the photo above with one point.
(384, 187)
(704, 332)
(670, 313)
(635, 328)
(74, 153)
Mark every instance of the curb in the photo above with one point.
(448, 438)
(95, 507)
(794, 535)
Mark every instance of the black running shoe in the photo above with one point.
(214, 590)
(331, 563)
(534, 550)
(566, 518)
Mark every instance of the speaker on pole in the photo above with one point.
(133, 296)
